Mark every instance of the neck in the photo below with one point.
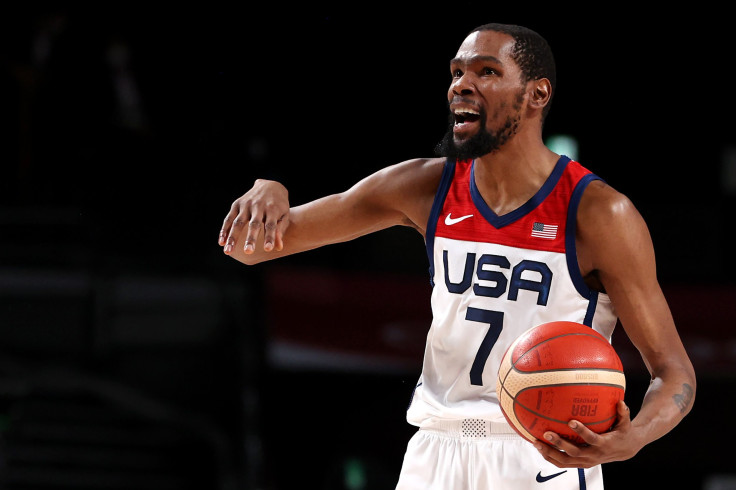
(510, 176)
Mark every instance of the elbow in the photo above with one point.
(686, 396)
(686, 399)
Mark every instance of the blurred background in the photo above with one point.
(135, 355)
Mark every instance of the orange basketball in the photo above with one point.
(556, 372)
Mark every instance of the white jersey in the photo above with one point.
(493, 278)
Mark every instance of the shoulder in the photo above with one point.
(602, 206)
(410, 179)
(610, 230)
(600, 201)
(416, 170)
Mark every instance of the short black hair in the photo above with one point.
(531, 52)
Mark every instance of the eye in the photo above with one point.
(457, 73)
(488, 71)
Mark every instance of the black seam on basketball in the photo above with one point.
(503, 387)
(597, 337)
(612, 385)
(611, 370)
(503, 381)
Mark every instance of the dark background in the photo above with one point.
(134, 355)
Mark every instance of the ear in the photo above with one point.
(541, 92)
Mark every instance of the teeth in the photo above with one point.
(466, 111)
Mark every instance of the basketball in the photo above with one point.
(556, 372)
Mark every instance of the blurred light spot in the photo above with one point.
(563, 144)
(354, 474)
(728, 171)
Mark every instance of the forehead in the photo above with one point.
(486, 44)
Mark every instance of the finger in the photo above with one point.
(270, 228)
(624, 414)
(568, 451)
(254, 231)
(228, 233)
(281, 226)
(225, 230)
(571, 457)
(235, 230)
(587, 435)
(551, 454)
(554, 440)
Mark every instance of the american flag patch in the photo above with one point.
(540, 230)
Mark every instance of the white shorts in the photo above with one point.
(475, 454)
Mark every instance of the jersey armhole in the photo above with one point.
(571, 250)
(448, 172)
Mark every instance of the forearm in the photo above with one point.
(325, 221)
(668, 399)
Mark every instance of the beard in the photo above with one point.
(482, 143)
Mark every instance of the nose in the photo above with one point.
(462, 85)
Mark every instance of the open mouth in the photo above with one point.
(463, 116)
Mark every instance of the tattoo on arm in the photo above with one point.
(682, 400)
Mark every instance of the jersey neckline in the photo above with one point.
(505, 219)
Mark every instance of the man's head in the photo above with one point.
(502, 75)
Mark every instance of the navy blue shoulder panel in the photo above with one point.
(571, 251)
(439, 200)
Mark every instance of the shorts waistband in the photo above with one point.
(469, 427)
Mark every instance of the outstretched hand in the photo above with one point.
(615, 445)
(265, 209)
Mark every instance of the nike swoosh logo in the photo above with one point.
(542, 479)
(449, 220)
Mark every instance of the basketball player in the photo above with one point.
(516, 236)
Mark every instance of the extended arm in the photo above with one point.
(616, 248)
(261, 225)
